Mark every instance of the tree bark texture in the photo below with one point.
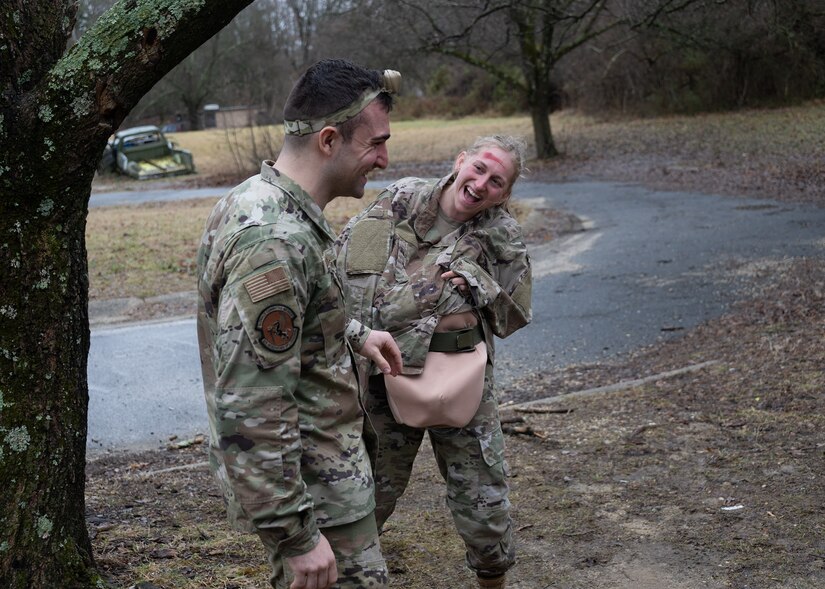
(57, 110)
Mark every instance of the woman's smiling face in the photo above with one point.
(483, 180)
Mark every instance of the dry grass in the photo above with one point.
(144, 250)
(148, 250)
(777, 153)
(737, 138)
(733, 137)
(412, 141)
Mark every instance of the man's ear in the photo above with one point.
(327, 138)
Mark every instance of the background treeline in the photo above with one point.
(610, 56)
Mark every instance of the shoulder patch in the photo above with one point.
(267, 284)
(277, 326)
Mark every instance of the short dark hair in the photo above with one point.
(330, 85)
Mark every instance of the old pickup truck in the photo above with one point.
(145, 152)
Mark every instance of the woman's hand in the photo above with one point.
(457, 281)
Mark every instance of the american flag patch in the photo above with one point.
(267, 284)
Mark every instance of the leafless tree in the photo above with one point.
(521, 41)
(734, 54)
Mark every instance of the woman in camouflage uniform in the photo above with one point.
(424, 250)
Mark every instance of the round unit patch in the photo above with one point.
(277, 327)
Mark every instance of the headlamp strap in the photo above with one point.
(391, 83)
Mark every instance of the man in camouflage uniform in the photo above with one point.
(398, 261)
(279, 379)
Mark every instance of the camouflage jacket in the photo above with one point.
(391, 273)
(279, 379)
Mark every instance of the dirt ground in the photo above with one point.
(696, 463)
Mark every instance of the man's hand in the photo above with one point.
(383, 351)
(315, 569)
(456, 280)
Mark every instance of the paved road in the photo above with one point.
(131, 197)
(649, 265)
(144, 385)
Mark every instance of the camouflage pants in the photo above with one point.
(357, 554)
(471, 461)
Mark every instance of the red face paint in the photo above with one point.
(488, 155)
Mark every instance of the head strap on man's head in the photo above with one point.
(391, 84)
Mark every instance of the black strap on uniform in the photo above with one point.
(463, 340)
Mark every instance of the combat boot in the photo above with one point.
(492, 582)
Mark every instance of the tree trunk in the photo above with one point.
(535, 37)
(44, 342)
(56, 113)
(193, 115)
(538, 97)
(542, 133)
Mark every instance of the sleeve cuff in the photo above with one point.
(483, 288)
(299, 543)
(357, 334)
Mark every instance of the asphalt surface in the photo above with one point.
(648, 266)
(132, 197)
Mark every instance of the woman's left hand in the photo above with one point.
(457, 281)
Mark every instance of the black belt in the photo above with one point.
(463, 340)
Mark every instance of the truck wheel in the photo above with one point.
(107, 161)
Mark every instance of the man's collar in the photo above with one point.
(271, 175)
